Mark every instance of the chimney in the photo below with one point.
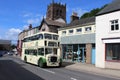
(74, 16)
(30, 26)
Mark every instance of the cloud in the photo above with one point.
(25, 27)
(79, 11)
(0, 37)
(32, 18)
(12, 34)
(33, 21)
(27, 14)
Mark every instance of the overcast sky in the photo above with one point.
(16, 15)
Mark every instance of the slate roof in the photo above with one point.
(54, 23)
(5, 41)
(80, 22)
(112, 7)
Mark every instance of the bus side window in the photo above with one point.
(34, 52)
(26, 51)
(40, 36)
(41, 51)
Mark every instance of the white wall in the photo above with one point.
(103, 31)
(77, 33)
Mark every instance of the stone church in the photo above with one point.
(55, 18)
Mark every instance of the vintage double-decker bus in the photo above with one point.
(42, 49)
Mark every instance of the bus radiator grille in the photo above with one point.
(53, 59)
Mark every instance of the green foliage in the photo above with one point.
(92, 12)
(13, 46)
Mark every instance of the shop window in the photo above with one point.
(113, 52)
(114, 25)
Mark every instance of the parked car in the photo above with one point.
(1, 55)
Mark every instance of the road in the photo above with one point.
(12, 68)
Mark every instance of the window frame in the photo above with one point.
(70, 31)
(110, 52)
(63, 32)
(86, 29)
(114, 26)
(77, 30)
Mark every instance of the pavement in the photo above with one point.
(89, 68)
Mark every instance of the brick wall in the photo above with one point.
(88, 53)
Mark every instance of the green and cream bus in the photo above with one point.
(42, 49)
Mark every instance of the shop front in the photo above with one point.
(74, 52)
(78, 49)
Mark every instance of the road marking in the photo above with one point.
(48, 71)
(73, 78)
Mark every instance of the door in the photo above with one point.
(93, 56)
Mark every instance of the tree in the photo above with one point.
(13, 46)
(92, 12)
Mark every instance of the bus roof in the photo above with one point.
(41, 33)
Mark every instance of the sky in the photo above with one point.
(16, 15)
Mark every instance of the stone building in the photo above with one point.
(5, 45)
(56, 18)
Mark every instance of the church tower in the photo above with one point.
(56, 11)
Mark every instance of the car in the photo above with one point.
(1, 55)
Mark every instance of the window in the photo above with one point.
(34, 52)
(52, 43)
(48, 51)
(48, 36)
(70, 31)
(43, 29)
(41, 51)
(79, 30)
(88, 29)
(114, 25)
(26, 52)
(40, 36)
(55, 37)
(63, 32)
(113, 51)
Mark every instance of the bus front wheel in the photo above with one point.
(40, 63)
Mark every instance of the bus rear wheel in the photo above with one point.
(25, 59)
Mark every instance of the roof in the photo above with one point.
(5, 41)
(53, 23)
(80, 22)
(112, 7)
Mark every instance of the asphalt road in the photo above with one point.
(12, 68)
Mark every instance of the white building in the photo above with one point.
(77, 40)
(108, 36)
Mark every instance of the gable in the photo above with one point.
(44, 27)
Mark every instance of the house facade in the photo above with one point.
(5, 45)
(27, 32)
(77, 40)
(108, 36)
